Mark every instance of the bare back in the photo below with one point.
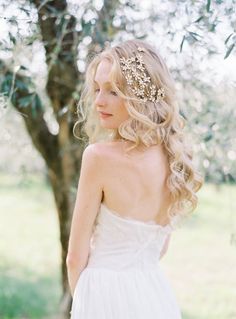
(135, 185)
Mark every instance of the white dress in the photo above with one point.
(123, 278)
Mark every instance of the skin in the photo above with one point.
(140, 177)
(106, 98)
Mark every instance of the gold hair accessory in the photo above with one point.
(138, 79)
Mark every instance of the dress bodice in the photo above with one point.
(120, 243)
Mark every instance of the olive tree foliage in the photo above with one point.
(42, 60)
(199, 37)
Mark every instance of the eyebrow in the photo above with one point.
(107, 82)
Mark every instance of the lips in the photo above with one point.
(103, 113)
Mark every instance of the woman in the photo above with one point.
(137, 182)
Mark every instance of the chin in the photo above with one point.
(109, 127)
(106, 124)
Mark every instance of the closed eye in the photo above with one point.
(112, 92)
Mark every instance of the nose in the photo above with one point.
(100, 99)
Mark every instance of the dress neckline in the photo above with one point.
(150, 223)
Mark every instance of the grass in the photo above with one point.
(29, 249)
(201, 258)
(200, 262)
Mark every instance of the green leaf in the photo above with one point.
(51, 9)
(182, 43)
(36, 103)
(229, 51)
(227, 39)
(12, 38)
(6, 84)
(21, 85)
(32, 100)
(208, 5)
(183, 114)
(22, 67)
(195, 35)
(25, 101)
(25, 10)
(13, 20)
(213, 27)
(199, 19)
(208, 137)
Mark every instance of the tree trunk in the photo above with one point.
(62, 152)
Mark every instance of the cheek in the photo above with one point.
(125, 113)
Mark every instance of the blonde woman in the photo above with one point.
(137, 182)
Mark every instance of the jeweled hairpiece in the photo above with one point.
(139, 80)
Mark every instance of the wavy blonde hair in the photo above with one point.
(149, 123)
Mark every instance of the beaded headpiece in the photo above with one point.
(139, 80)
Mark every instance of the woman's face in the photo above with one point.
(110, 107)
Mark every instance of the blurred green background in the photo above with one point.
(200, 262)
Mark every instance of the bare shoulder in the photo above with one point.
(104, 150)
(90, 154)
(93, 159)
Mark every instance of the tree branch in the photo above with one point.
(61, 55)
(18, 88)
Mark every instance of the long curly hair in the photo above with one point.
(149, 123)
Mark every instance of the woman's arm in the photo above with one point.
(88, 200)
(165, 246)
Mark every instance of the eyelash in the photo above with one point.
(112, 92)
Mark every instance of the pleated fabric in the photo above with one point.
(123, 278)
